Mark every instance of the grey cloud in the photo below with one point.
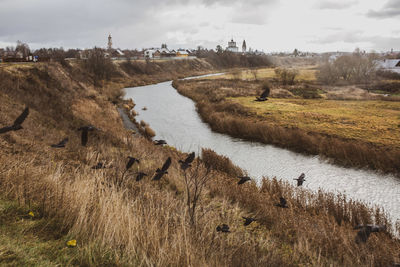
(377, 42)
(76, 23)
(335, 4)
(347, 37)
(389, 10)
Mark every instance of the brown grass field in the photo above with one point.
(120, 222)
(306, 73)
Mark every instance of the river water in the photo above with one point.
(175, 119)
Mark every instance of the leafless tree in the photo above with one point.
(195, 179)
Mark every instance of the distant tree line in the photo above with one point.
(227, 59)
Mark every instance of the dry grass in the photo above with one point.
(368, 121)
(118, 221)
(306, 73)
(340, 130)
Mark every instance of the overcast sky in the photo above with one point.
(269, 25)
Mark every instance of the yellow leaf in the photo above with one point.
(71, 243)
(31, 214)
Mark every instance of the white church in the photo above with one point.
(233, 48)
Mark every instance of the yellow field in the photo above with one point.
(305, 74)
(372, 121)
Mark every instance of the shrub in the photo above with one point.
(286, 76)
(220, 163)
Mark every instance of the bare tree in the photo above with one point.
(254, 72)
(195, 179)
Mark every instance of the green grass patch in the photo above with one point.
(30, 241)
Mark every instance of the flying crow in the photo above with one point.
(243, 179)
(61, 144)
(164, 168)
(85, 130)
(300, 180)
(248, 220)
(366, 230)
(187, 163)
(140, 176)
(282, 203)
(160, 142)
(17, 123)
(224, 228)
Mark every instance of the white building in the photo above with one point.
(232, 47)
(389, 65)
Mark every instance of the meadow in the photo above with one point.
(376, 122)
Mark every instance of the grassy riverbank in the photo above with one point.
(118, 221)
(352, 133)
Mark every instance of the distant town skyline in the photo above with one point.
(268, 25)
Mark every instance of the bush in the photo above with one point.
(306, 92)
(99, 66)
(286, 76)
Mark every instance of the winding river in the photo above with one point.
(175, 119)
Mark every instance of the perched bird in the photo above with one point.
(243, 179)
(224, 228)
(164, 168)
(248, 220)
(140, 176)
(17, 123)
(366, 230)
(263, 96)
(85, 130)
(187, 163)
(61, 144)
(131, 161)
(300, 180)
(99, 165)
(160, 142)
(282, 203)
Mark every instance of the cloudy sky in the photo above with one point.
(269, 25)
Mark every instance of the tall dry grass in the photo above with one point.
(146, 223)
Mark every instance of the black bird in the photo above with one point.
(187, 163)
(243, 179)
(160, 142)
(263, 96)
(224, 228)
(366, 230)
(282, 203)
(248, 220)
(300, 180)
(85, 130)
(140, 176)
(131, 161)
(17, 123)
(99, 165)
(61, 144)
(164, 168)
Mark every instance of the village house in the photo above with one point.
(392, 65)
(182, 53)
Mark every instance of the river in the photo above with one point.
(175, 119)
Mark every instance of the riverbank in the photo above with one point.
(118, 221)
(342, 133)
